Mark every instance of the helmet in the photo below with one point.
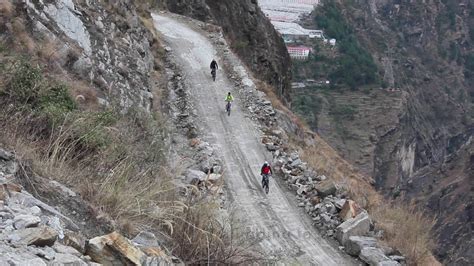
(265, 163)
(228, 93)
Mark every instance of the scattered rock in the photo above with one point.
(146, 239)
(195, 176)
(25, 221)
(397, 258)
(35, 210)
(359, 225)
(315, 200)
(326, 188)
(296, 163)
(5, 155)
(114, 249)
(355, 244)
(38, 236)
(375, 257)
(214, 178)
(272, 147)
(75, 240)
(59, 248)
(339, 203)
(68, 259)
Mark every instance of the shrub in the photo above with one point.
(56, 103)
(25, 84)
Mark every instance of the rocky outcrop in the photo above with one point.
(250, 34)
(109, 51)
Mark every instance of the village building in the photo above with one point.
(292, 32)
(299, 52)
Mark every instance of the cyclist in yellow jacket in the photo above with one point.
(229, 99)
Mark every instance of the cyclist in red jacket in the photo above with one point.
(266, 172)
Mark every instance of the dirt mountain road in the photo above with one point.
(288, 232)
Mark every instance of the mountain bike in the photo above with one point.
(266, 183)
(227, 108)
(213, 74)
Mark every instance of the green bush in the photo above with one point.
(93, 128)
(27, 89)
(25, 84)
(355, 66)
(308, 107)
(55, 102)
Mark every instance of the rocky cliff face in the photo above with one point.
(416, 140)
(250, 33)
(104, 44)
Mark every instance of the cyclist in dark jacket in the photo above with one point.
(214, 65)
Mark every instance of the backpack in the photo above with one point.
(266, 170)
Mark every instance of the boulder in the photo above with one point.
(296, 163)
(114, 249)
(272, 147)
(32, 262)
(60, 248)
(75, 240)
(339, 203)
(355, 244)
(358, 226)
(214, 178)
(5, 155)
(25, 221)
(326, 188)
(349, 210)
(38, 236)
(315, 200)
(68, 259)
(195, 176)
(375, 257)
(7, 188)
(146, 239)
(397, 258)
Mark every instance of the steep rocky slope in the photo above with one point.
(415, 136)
(248, 31)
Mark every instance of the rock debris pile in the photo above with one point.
(34, 233)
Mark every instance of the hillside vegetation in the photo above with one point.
(413, 133)
(65, 126)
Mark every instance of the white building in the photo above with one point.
(299, 52)
(293, 31)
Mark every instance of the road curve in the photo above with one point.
(287, 231)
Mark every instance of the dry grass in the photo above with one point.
(205, 235)
(408, 229)
(325, 160)
(136, 196)
(47, 52)
(6, 8)
(83, 93)
(22, 39)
